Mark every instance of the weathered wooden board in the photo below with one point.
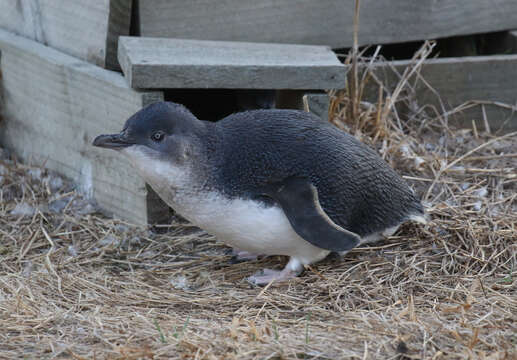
(178, 63)
(488, 79)
(86, 29)
(55, 105)
(323, 22)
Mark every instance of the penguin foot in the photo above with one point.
(244, 255)
(265, 276)
(239, 256)
(293, 268)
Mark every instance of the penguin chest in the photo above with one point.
(247, 225)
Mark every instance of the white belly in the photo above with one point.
(247, 225)
(244, 224)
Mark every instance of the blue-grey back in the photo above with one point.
(357, 189)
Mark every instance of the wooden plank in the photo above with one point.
(85, 29)
(324, 22)
(177, 63)
(55, 105)
(488, 79)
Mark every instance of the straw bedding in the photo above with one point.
(77, 284)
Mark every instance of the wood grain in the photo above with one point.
(55, 105)
(484, 79)
(323, 22)
(176, 63)
(88, 30)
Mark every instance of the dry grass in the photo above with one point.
(76, 284)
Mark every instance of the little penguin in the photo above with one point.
(269, 182)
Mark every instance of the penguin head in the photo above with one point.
(161, 131)
(161, 141)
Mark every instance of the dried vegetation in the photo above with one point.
(76, 284)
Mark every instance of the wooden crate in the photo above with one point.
(323, 22)
(488, 81)
(88, 30)
(54, 105)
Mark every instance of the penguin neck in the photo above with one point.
(210, 139)
(197, 176)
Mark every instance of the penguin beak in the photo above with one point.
(112, 141)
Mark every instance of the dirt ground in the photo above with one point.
(76, 284)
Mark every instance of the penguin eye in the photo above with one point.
(158, 136)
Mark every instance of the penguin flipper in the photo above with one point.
(299, 200)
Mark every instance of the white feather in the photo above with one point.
(244, 224)
(248, 225)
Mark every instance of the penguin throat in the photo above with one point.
(166, 178)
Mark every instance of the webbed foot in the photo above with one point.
(293, 268)
(242, 255)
